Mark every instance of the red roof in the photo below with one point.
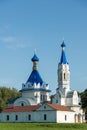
(59, 107)
(21, 108)
(35, 107)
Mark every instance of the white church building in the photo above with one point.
(35, 104)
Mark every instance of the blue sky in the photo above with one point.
(42, 24)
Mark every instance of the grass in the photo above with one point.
(42, 126)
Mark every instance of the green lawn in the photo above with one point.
(41, 126)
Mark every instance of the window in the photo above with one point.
(22, 104)
(29, 117)
(65, 117)
(56, 101)
(64, 76)
(16, 117)
(41, 97)
(7, 117)
(46, 97)
(44, 107)
(45, 117)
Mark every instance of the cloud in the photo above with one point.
(11, 42)
(5, 82)
(18, 46)
(21, 45)
(84, 77)
(9, 39)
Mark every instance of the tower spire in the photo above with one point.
(63, 59)
(63, 71)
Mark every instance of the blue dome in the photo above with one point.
(63, 44)
(35, 58)
(35, 78)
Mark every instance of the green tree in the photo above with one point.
(84, 100)
(7, 94)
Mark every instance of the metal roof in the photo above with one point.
(35, 78)
(35, 58)
(63, 59)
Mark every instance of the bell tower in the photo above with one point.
(63, 71)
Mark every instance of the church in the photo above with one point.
(37, 105)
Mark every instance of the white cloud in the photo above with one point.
(11, 42)
(18, 46)
(9, 39)
(84, 77)
(5, 82)
(21, 45)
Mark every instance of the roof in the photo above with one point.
(63, 59)
(21, 108)
(35, 107)
(13, 100)
(59, 107)
(35, 58)
(63, 44)
(35, 89)
(35, 77)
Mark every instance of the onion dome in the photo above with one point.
(35, 76)
(35, 58)
(63, 44)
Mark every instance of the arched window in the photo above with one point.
(22, 104)
(7, 117)
(16, 117)
(65, 117)
(41, 97)
(29, 117)
(44, 107)
(56, 101)
(45, 117)
(64, 76)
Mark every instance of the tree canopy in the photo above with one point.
(7, 94)
(84, 100)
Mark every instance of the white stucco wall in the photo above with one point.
(27, 94)
(69, 101)
(23, 116)
(77, 109)
(25, 102)
(75, 98)
(65, 117)
(42, 114)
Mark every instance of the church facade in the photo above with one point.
(35, 104)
